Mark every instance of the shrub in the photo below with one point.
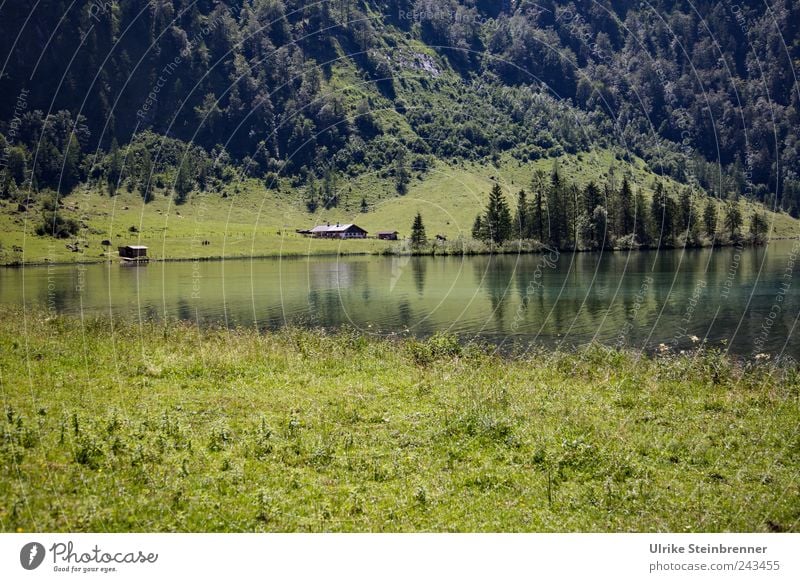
(55, 225)
(627, 242)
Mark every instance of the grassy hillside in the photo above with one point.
(153, 428)
(254, 221)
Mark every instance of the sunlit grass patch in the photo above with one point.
(166, 426)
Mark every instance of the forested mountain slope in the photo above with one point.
(318, 93)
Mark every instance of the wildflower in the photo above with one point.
(694, 338)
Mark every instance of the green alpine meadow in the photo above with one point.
(118, 426)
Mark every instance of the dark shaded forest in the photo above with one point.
(704, 92)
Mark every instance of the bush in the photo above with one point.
(627, 242)
(55, 225)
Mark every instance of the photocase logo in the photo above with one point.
(32, 555)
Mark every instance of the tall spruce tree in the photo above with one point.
(146, 177)
(598, 222)
(538, 218)
(522, 221)
(663, 209)
(733, 219)
(418, 236)
(686, 210)
(626, 209)
(556, 209)
(498, 217)
(710, 218)
(642, 221)
(71, 175)
(312, 200)
(759, 227)
(572, 208)
(594, 224)
(183, 183)
(591, 197)
(478, 231)
(114, 174)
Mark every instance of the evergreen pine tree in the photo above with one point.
(686, 215)
(312, 202)
(663, 209)
(522, 226)
(733, 219)
(418, 236)
(611, 205)
(72, 165)
(146, 177)
(599, 227)
(537, 211)
(478, 232)
(556, 211)
(498, 216)
(642, 221)
(572, 209)
(626, 209)
(538, 218)
(330, 188)
(759, 227)
(114, 174)
(591, 197)
(183, 183)
(593, 224)
(710, 218)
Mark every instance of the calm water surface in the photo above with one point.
(746, 300)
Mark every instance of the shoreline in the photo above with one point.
(388, 252)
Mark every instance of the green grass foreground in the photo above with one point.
(174, 428)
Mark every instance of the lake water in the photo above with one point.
(746, 300)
